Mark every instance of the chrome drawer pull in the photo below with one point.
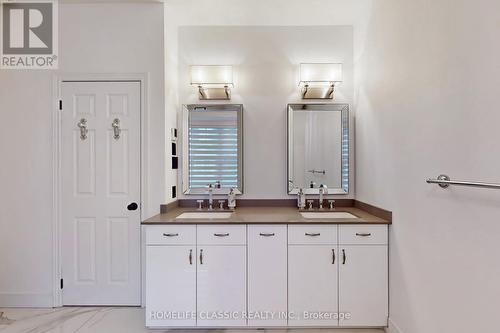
(363, 234)
(222, 235)
(267, 235)
(170, 235)
(313, 235)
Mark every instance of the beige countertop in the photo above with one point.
(272, 215)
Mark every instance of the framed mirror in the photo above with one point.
(212, 147)
(318, 148)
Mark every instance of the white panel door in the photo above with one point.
(312, 285)
(221, 285)
(363, 285)
(100, 170)
(170, 286)
(267, 275)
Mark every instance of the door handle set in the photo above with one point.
(116, 128)
(82, 125)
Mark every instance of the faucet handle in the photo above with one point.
(221, 204)
(310, 202)
(200, 204)
(331, 202)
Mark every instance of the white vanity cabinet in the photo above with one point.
(312, 275)
(363, 275)
(221, 283)
(170, 276)
(235, 275)
(267, 275)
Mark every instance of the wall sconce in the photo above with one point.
(213, 81)
(317, 81)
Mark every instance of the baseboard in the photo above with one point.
(26, 300)
(393, 328)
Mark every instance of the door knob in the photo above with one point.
(133, 206)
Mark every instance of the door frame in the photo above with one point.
(57, 81)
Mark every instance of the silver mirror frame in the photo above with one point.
(184, 146)
(345, 167)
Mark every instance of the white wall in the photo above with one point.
(94, 38)
(427, 103)
(266, 62)
(283, 13)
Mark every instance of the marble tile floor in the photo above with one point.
(107, 320)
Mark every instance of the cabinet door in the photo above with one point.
(312, 285)
(221, 285)
(267, 275)
(363, 285)
(170, 286)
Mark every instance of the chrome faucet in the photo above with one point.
(210, 196)
(322, 191)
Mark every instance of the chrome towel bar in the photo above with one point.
(444, 181)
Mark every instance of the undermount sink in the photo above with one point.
(328, 215)
(205, 215)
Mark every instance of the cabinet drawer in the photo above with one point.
(312, 234)
(222, 234)
(363, 234)
(264, 234)
(171, 235)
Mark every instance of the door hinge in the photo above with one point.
(62, 283)
(60, 104)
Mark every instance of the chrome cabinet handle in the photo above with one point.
(191, 257)
(343, 257)
(333, 256)
(82, 125)
(116, 128)
(363, 234)
(313, 234)
(201, 257)
(222, 235)
(170, 235)
(267, 234)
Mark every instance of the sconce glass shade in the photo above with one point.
(212, 76)
(320, 74)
